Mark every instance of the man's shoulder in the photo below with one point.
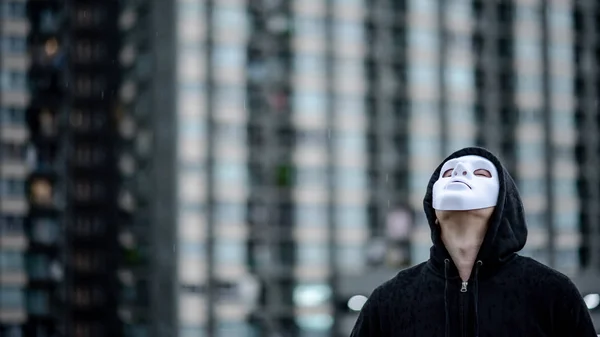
(543, 275)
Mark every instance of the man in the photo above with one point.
(474, 283)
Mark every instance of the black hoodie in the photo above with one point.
(507, 295)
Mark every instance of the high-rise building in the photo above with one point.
(14, 168)
(293, 142)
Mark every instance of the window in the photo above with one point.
(350, 68)
(351, 216)
(13, 152)
(309, 27)
(228, 56)
(351, 257)
(12, 188)
(309, 254)
(349, 31)
(567, 259)
(231, 172)
(530, 151)
(227, 18)
(460, 78)
(528, 49)
(313, 103)
(423, 38)
(532, 187)
(567, 221)
(422, 74)
(351, 142)
(310, 215)
(230, 252)
(230, 133)
(14, 44)
(37, 266)
(310, 176)
(351, 179)
(11, 297)
(12, 80)
(37, 302)
(192, 250)
(310, 64)
(230, 213)
(528, 13)
(191, 331)
(12, 115)
(11, 261)
(14, 9)
(45, 230)
(230, 96)
(11, 225)
(88, 16)
(350, 106)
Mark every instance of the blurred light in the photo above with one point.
(51, 47)
(311, 295)
(592, 301)
(357, 302)
(315, 322)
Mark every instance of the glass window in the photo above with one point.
(528, 13)
(529, 83)
(230, 251)
(423, 38)
(461, 78)
(347, 106)
(424, 6)
(351, 216)
(12, 115)
(310, 176)
(309, 254)
(37, 302)
(193, 250)
(310, 102)
(350, 68)
(192, 331)
(459, 10)
(12, 187)
(37, 266)
(567, 221)
(530, 151)
(11, 225)
(309, 27)
(310, 138)
(230, 133)
(567, 259)
(12, 80)
(532, 187)
(14, 9)
(228, 95)
(560, 18)
(11, 261)
(350, 178)
(14, 44)
(529, 49)
(310, 215)
(535, 220)
(230, 213)
(228, 18)
(310, 64)
(231, 173)
(315, 322)
(351, 142)
(420, 252)
(351, 256)
(229, 56)
(190, 9)
(12, 297)
(349, 31)
(423, 74)
(45, 230)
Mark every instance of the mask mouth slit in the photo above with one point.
(462, 182)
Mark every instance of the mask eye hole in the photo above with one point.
(447, 173)
(483, 173)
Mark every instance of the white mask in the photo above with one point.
(466, 183)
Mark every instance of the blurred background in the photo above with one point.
(227, 168)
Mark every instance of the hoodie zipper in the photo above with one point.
(463, 298)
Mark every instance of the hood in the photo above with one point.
(507, 230)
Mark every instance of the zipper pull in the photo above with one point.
(463, 289)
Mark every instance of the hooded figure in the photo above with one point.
(474, 283)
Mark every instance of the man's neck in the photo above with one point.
(463, 236)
